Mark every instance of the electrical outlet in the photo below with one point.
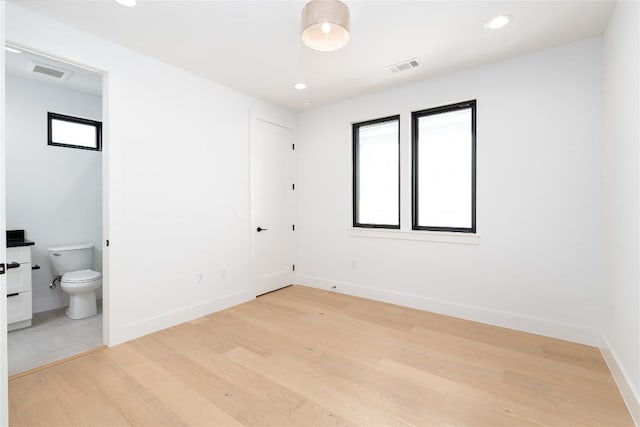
(200, 278)
(223, 273)
(354, 264)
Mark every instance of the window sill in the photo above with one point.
(425, 236)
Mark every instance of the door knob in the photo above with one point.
(259, 229)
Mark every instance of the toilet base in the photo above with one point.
(82, 305)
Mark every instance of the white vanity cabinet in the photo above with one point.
(19, 309)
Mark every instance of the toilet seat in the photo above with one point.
(81, 276)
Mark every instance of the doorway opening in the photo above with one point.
(55, 208)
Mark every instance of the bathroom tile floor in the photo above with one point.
(52, 336)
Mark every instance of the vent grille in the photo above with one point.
(404, 65)
(48, 70)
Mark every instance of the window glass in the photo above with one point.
(444, 156)
(376, 149)
(69, 133)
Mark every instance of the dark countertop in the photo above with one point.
(17, 243)
(15, 239)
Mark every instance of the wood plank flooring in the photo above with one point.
(306, 357)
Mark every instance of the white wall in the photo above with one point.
(536, 266)
(177, 147)
(53, 193)
(621, 343)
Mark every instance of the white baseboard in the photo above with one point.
(631, 397)
(166, 320)
(516, 321)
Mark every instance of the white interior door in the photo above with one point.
(4, 393)
(274, 206)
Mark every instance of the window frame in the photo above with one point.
(355, 177)
(72, 119)
(415, 117)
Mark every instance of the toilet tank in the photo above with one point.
(71, 257)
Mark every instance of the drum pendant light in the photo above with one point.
(325, 25)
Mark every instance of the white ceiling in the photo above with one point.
(254, 46)
(78, 78)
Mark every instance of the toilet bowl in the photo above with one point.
(71, 263)
(81, 286)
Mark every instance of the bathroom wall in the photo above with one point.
(53, 193)
(536, 264)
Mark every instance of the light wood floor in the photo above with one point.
(302, 357)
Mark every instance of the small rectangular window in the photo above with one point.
(376, 173)
(74, 132)
(444, 168)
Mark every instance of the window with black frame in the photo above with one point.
(74, 132)
(376, 173)
(444, 168)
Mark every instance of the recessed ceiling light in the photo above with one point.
(12, 49)
(128, 3)
(300, 86)
(498, 22)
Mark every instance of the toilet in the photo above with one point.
(72, 263)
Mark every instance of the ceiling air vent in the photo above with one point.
(404, 65)
(48, 70)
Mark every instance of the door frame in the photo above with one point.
(4, 368)
(106, 305)
(287, 124)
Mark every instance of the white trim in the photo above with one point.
(520, 322)
(630, 396)
(425, 236)
(4, 368)
(252, 208)
(106, 173)
(53, 57)
(171, 318)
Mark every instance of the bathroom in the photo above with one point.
(54, 209)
